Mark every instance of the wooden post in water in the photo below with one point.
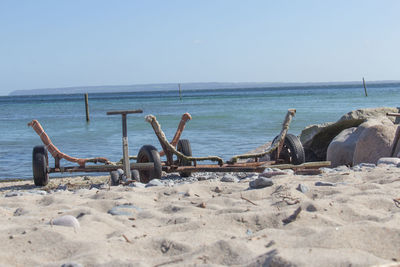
(180, 92)
(87, 107)
(365, 88)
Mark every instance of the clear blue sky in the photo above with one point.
(60, 43)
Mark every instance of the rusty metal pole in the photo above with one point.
(125, 148)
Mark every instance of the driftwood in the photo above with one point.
(171, 148)
(292, 217)
(277, 144)
(248, 200)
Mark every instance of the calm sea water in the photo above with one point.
(225, 122)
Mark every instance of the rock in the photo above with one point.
(273, 173)
(311, 208)
(229, 178)
(342, 168)
(124, 210)
(375, 141)
(138, 185)
(37, 192)
(341, 150)
(19, 212)
(302, 188)
(365, 165)
(324, 184)
(316, 138)
(261, 182)
(388, 161)
(14, 194)
(154, 182)
(71, 264)
(66, 220)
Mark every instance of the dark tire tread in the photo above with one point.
(185, 148)
(293, 146)
(149, 153)
(40, 166)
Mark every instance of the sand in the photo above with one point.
(351, 219)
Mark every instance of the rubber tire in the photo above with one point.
(149, 153)
(292, 151)
(115, 178)
(40, 165)
(185, 148)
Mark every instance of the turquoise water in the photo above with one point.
(225, 122)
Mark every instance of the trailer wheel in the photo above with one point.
(40, 165)
(292, 150)
(148, 153)
(185, 148)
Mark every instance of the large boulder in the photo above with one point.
(376, 140)
(341, 149)
(316, 138)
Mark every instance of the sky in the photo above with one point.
(65, 43)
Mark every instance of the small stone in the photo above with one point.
(188, 193)
(388, 161)
(154, 182)
(266, 170)
(37, 192)
(124, 210)
(66, 220)
(19, 212)
(71, 264)
(229, 178)
(261, 182)
(357, 168)
(367, 165)
(14, 194)
(302, 188)
(271, 174)
(138, 185)
(341, 168)
(311, 208)
(249, 232)
(324, 184)
(217, 190)
(202, 205)
(61, 187)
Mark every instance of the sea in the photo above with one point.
(225, 122)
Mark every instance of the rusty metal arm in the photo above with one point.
(171, 148)
(56, 153)
(185, 117)
(277, 144)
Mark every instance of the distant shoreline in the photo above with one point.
(163, 87)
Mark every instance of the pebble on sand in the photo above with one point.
(261, 182)
(66, 220)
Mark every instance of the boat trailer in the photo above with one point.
(286, 152)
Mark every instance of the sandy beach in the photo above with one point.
(342, 217)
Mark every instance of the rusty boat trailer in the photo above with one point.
(40, 162)
(149, 165)
(286, 155)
